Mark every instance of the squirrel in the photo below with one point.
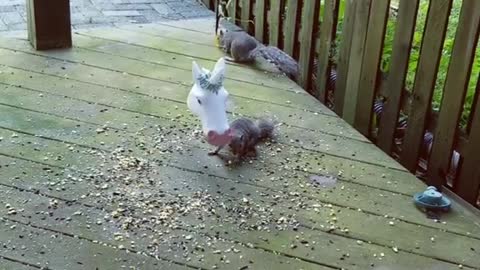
(246, 135)
(245, 48)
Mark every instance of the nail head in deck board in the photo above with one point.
(327, 37)
(355, 61)
(467, 184)
(402, 43)
(371, 65)
(344, 55)
(310, 15)
(275, 22)
(290, 36)
(260, 15)
(425, 77)
(455, 90)
(49, 24)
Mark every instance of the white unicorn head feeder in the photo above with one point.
(208, 101)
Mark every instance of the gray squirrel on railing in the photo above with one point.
(244, 48)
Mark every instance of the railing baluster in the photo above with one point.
(426, 75)
(290, 27)
(468, 181)
(456, 85)
(395, 84)
(356, 58)
(274, 26)
(344, 54)
(260, 15)
(371, 64)
(310, 16)
(327, 37)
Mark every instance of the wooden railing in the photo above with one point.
(340, 47)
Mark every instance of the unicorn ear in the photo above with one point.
(196, 71)
(218, 73)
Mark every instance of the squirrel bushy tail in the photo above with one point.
(282, 60)
(266, 128)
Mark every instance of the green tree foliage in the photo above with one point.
(415, 52)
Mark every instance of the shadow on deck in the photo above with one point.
(102, 167)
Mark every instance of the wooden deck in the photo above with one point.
(102, 167)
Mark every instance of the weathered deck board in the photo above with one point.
(53, 104)
(389, 204)
(327, 144)
(47, 248)
(181, 48)
(130, 107)
(207, 180)
(342, 216)
(163, 76)
(358, 229)
(96, 93)
(237, 71)
(150, 82)
(72, 220)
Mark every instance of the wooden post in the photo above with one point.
(49, 24)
